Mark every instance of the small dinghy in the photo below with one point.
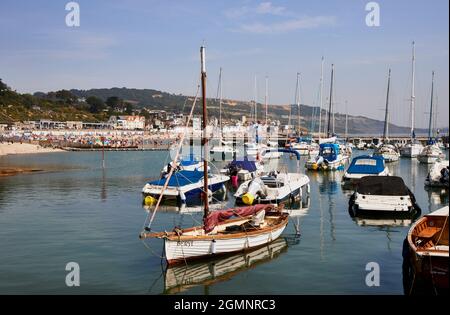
(438, 176)
(365, 165)
(428, 248)
(383, 195)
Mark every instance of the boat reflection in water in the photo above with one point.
(183, 277)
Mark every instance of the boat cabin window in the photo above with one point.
(366, 162)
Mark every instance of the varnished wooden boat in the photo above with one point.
(428, 245)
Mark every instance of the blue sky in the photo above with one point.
(155, 44)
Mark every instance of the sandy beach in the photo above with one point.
(24, 148)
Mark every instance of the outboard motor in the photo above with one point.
(255, 188)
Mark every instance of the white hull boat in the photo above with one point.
(430, 154)
(273, 188)
(388, 152)
(438, 176)
(382, 194)
(411, 150)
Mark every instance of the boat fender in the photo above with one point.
(213, 246)
(182, 196)
(150, 200)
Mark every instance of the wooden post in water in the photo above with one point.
(103, 151)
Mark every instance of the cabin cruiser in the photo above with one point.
(301, 144)
(430, 154)
(244, 169)
(438, 176)
(330, 158)
(225, 147)
(411, 150)
(365, 165)
(383, 194)
(274, 187)
(182, 186)
(187, 164)
(388, 151)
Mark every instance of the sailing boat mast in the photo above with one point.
(413, 97)
(431, 108)
(386, 114)
(205, 138)
(266, 97)
(320, 98)
(297, 100)
(255, 102)
(330, 101)
(346, 121)
(220, 101)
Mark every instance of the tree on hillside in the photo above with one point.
(3, 86)
(128, 108)
(113, 102)
(96, 105)
(66, 96)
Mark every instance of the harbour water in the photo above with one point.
(78, 212)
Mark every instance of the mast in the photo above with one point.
(346, 121)
(330, 101)
(297, 100)
(320, 98)
(266, 97)
(413, 97)
(205, 138)
(220, 101)
(255, 102)
(431, 107)
(386, 114)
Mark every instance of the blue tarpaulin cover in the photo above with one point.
(366, 164)
(245, 165)
(180, 178)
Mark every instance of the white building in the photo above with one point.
(127, 122)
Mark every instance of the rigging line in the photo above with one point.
(174, 163)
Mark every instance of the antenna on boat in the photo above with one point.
(346, 120)
(205, 137)
(330, 101)
(386, 114)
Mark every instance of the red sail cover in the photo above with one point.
(215, 217)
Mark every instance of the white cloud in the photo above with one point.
(268, 8)
(287, 26)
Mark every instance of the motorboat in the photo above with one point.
(411, 150)
(182, 187)
(365, 165)
(430, 154)
(388, 151)
(438, 176)
(330, 158)
(274, 187)
(244, 169)
(383, 194)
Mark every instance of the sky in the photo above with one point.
(155, 44)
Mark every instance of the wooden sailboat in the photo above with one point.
(386, 150)
(223, 231)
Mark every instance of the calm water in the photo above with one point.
(78, 212)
